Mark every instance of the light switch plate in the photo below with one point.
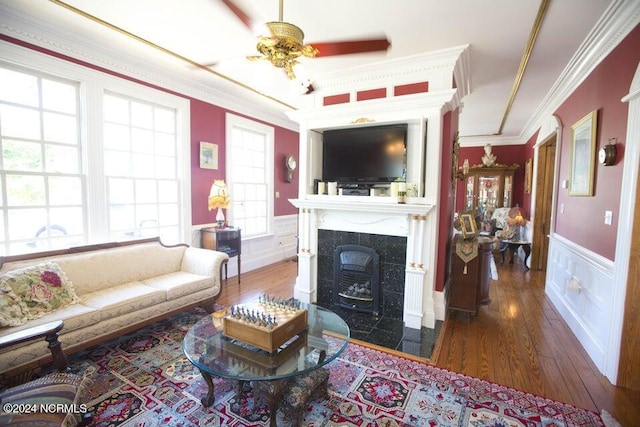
(608, 217)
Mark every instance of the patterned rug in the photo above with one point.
(143, 379)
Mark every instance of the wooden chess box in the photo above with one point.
(290, 323)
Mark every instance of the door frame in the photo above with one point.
(551, 128)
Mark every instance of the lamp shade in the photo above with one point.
(219, 195)
(515, 216)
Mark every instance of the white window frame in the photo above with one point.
(93, 84)
(234, 121)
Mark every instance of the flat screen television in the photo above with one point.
(365, 155)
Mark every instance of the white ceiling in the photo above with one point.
(205, 31)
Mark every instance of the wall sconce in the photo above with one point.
(464, 170)
(607, 154)
(290, 164)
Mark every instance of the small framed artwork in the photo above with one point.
(208, 155)
(583, 155)
(468, 226)
(528, 173)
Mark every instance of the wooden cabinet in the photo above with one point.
(227, 240)
(488, 188)
(469, 286)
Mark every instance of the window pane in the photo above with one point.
(25, 223)
(60, 128)
(116, 109)
(152, 155)
(58, 96)
(19, 122)
(146, 191)
(62, 159)
(117, 163)
(18, 87)
(121, 191)
(143, 165)
(70, 220)
(142, 141)
(122, 218)
(141, 115)
(165, 120)
(25, 190)
(169, 214)
(22, 156)
(165, 144)
(116, 137)
(65, 191)
(168, 191)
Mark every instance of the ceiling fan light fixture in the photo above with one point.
(284, 46)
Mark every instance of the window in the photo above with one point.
(250, 175)
(42, 185)
(140, 164)
(81, 162)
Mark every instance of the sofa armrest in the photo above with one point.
(48, 331)
(204, 262)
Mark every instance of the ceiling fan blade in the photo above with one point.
(242, 16)
(350, 47)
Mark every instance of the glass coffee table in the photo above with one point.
(215, 355)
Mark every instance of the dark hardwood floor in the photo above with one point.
(519, 340)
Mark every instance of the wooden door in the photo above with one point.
(543, 204)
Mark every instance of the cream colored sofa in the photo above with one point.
(121, 287)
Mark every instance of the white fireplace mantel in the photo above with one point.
(375, 215)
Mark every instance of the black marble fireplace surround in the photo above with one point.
(392, 251)
(387, 329)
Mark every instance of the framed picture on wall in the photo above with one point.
(528, 173)
(208, 155)
(583, 155)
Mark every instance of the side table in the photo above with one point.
(227, 240)
(512, 246)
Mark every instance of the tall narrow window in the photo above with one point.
(42, 203)
(140, 165)
(250, 175)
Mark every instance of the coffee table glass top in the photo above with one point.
(210, 351)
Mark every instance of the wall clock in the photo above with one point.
(607, 155)
(290, 165)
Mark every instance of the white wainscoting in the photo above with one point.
(261, 251)
(580, 285)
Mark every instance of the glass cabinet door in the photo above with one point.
(488, 191)
(508, 183)
(469, 193)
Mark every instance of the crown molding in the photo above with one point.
(620, 18)
(167, 73)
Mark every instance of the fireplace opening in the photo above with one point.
(356, 278)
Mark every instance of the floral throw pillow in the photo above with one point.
(13, 312)
(41, 288)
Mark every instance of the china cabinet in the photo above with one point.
(488, 188)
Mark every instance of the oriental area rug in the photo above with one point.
(143, 379)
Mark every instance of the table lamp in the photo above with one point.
(515, 218)
(219, 198)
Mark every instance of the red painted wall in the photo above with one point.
(208, 124)
(447, 199)
(582, 221)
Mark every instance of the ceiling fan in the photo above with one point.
(285, 44)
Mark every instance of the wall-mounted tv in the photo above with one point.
(365, 155)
